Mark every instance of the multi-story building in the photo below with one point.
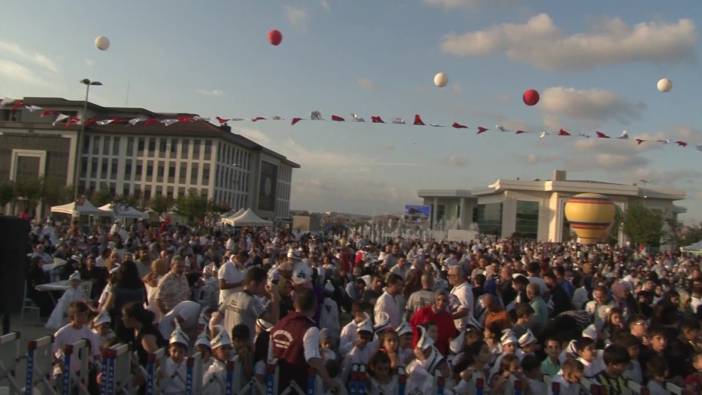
(536, 209)
(144, 159)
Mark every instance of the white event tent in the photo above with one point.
(247, 218)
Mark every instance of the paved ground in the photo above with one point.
(30, 328)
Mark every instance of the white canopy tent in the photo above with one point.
(229, 216)
(77, 209)
(124, 211)
(695, 248)
(247, 218)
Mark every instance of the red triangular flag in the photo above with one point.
(681, 143)
(90, 122)
(520, 131)
(337, 118)
(459, 125)
(482, 129)
(47, 113)
(563, 132)
(377, 119)
(73, 120)
(639, 141)
(601, 135)
(295, 120)
(258, 119)
(418, 120)
(117, 121)
(222, 121)
(151, 122)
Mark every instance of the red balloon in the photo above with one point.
(530, 97)
(275, 37)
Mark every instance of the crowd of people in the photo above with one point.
(491, 314)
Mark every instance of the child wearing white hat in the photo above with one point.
(329, 312)
(428, 363)
(405, 351)
(74, 293)
(215, 377)
(102, 329)
(203, 346)
(172, 373)
(363, 349)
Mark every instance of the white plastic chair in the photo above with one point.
(28, 304)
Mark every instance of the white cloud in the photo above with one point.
(367, 84)
(15, 51)
(325, 5)
(17, 72)
(589, 104)
(210, 92)
(297, 17)
(540, 43)
(456, 160)
(255, 135)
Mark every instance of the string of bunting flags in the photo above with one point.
(72, 120)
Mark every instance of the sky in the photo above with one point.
(595, 64)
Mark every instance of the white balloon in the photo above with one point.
(664, 85)
(440, 80)
(102, 43)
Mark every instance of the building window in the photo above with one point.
(152, 146)
(206, 174)
(193, 174)
(181, 191)
(162, 148)
(106, 145)
(139, 170)
(489, 218)
(171, 172)
(208, 149)
(115, 146)
(169, 192)
(157, 191)
(182, 173)
(527, 219)
(196, 149)
(147, 193)
(96, 145)
(149, 170)
(83, 167)
(130, 146)
(103, 171)
(113, 169)
(174, 147)
(140, 146)
(86, 144)
(160, 172)
(125, 189)
(184, 149)
(128, 169)
(113, 188)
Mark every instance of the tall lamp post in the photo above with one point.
(76, 168)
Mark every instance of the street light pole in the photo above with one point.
(81, 131)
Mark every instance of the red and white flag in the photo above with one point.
(482, 130)
(152, 122)
(681, 143)
(563, 132)
(337, 118)
(135, 121)
(601, 135)
(295, 120)
(639, 141)
(256, 119)
(47, 113)
(32, 108)
(357, 118)
(520, 132)
(377, 119)
(398, 121)
(105, 122)
(457, 125)
(222, 121)
(624, 135)
(169, 122)
(418, 120)
(59, 118)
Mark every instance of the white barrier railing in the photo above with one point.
(76, 379)
(39, 364)
(9, 351)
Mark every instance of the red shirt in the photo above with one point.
(444, 325)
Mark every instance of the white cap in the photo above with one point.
(302, 274)
(591, 332)
(179, 336)
(526, 339)
(508, 337)
(456, 344)
(403, 329)
(364, 326)
(222, 339)
(383, 322)
(102, 318)
(75, 276)
(425, 341)
(203, 340)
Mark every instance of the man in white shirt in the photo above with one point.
(387, 302)
(230, 276)
(461, 303)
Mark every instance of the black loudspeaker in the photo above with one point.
(14, 244)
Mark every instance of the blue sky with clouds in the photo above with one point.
(595, 63)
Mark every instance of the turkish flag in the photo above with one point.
(639, 141)
(47, 113)
(418, 120)
(258, 119)
(681, 143)
(601, 135)
(89, 122)
(563, 132)
(459, 125)
(337, 118)
(222, 121)
(482, 130)
(295, 120)
(377, 119)
(151, 122)
(520, 132)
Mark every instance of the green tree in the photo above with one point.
(214, 207)
(192, 206)
(643, 226)
(55, 192)
(29, 192)
(161, 204)
(101, 197)
(616, 225)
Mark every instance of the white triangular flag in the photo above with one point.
(137, 120)
(398, 121)
(169, 122)
(543, 134)
(436, 125)
(104, 122)
(276, 118)
(501, 128)
(59, 118)
(6, 101)
(357, 118)
(237, 119)
(624, 135)
(33, 108)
